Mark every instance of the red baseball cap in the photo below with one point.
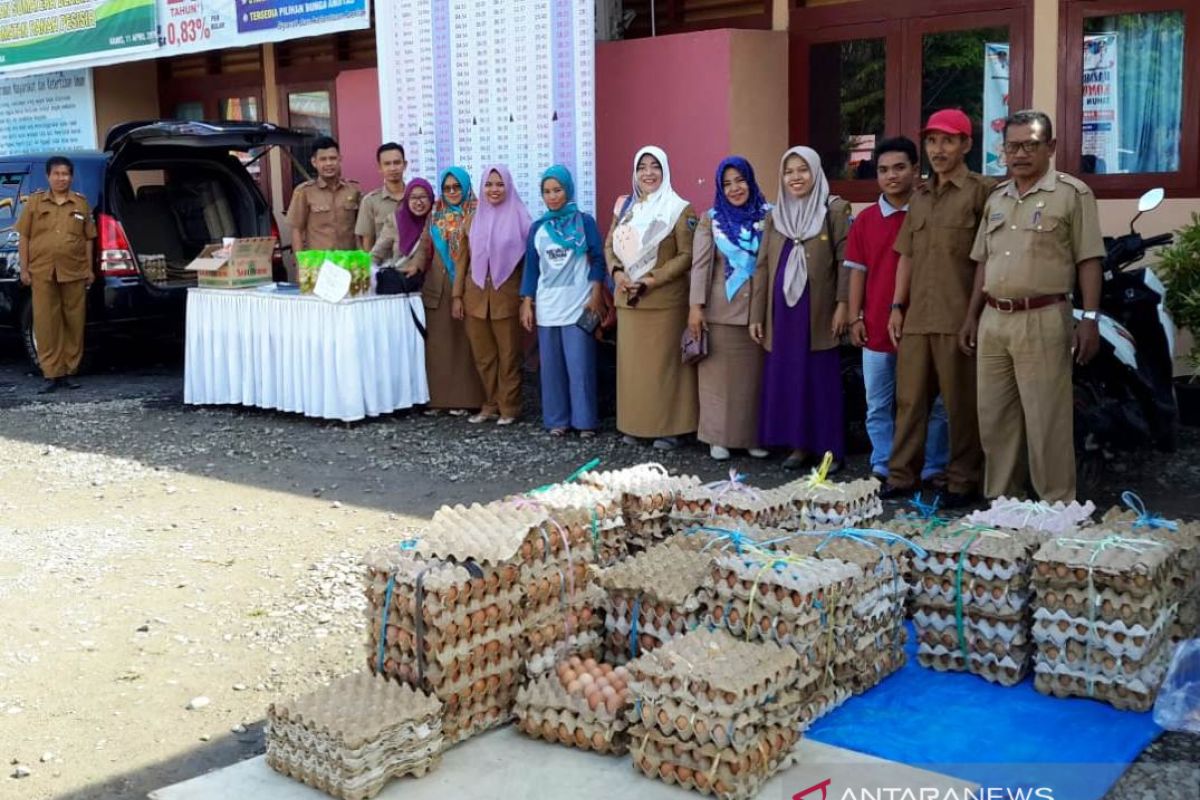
(949, 120)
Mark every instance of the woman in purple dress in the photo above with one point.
(805, 315)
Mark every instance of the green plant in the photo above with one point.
(1179, 268)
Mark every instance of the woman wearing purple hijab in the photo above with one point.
(487, 293)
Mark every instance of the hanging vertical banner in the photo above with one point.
(478, 82)
(52, 112)
(995, 106)
(1101, 112)
(52, 33)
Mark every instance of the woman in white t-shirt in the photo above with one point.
(561, 293)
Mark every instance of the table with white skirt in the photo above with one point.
(362, 357)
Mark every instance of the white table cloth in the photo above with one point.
(358, 358)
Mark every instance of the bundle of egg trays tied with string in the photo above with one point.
(1103, 614)
(350, 738)
(827, 505)
(1186, 536)
(465, 600)
(581, 703)
(715, 713)
(593, 509)
(877, 626)
(988, 571)
(1057, 519)
(731, 501)
(648, 494)
(651, 599)
(804, 604)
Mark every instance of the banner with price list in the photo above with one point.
(478, 82)
(51, 33)
(192, 26)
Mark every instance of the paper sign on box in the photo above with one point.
(247, 263)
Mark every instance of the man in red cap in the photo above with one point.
(934, 281)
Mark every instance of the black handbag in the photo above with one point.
(390, 280)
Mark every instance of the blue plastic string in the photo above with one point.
(633, 626)
(387, 604)
(1145, 518)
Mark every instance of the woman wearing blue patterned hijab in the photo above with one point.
(725, 289)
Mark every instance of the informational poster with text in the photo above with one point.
(53, 112)
(478, 82)
(1101, 109)
(55, 33)
(995, 106)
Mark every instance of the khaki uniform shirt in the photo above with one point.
(57, 234)
(377, 212)
(488, 301)
(1031, 244)
(326, 213)
(672, 266)
(937, 235)
(708, 281)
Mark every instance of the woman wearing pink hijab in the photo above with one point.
(487, 288)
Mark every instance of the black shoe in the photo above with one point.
(954, 500)
(891, 491)
(67, 383)
(49, 386)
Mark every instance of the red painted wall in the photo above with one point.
(358, 125)
(670, 91)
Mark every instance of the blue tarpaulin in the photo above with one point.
(961, 725)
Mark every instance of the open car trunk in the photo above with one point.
(174, 203)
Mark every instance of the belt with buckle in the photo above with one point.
(1009, 305)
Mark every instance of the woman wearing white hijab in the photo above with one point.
(649, 255)
(805, 315)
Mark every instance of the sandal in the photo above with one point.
(480, 418)
(506, 420)
(587, 434)
(459, 412)
(557, 433)
(432, 412)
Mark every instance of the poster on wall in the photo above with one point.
(193, 26)
(995, 106)
(50, 33)
(479, 82)
(52, 112)
(1101, 131)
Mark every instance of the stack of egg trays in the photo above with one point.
(801, 603)
(829, 505)
(596, 510)
(731, 502)
(468, 624)
(714, 713)
(350, 738)
(1048, 519)
(546, 710)
(651, 599)
(1104, 606)
(877, 628)
(1185, 536)
(648, 494)
(724, 534)
(565, 623)
(994, 595)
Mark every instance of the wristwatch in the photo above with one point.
(897, 306)
(1093, 315)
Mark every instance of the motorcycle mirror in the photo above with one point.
(1151, 200)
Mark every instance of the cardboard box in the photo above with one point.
(247, 263)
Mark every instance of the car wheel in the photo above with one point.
(28, 340)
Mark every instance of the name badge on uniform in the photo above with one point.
(996, 215)
(78, 216)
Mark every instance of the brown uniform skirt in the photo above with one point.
(449, 366)
(730, 382)
(656, 392)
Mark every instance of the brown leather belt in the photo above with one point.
(1008, 306)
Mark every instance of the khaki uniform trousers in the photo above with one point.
(1026, 411)
(59, 314)
(927, 364)
(496, 348)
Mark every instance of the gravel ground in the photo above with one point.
(166, 571)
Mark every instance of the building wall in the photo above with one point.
(758, 103)
(358, 124)
(124, 92)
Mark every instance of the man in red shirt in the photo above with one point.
(872, 260)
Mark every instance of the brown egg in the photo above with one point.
(614, 704)
(594, 699)
(664, 719)
(574, 686)
(622, 673)
(667, 771)
(598, 742)
(586, 678)
(575, 662)
(684, 774)
(568, 676)
(581, 738)
(608, 691)
(589, 663)
(548, 731)
(701, 780)
(564, 734)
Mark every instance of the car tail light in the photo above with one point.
(116, 258)
(277, 253)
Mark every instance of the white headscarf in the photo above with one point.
(800, 219)
(649, 220)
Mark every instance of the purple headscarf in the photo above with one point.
(408, 225)
(498, 233)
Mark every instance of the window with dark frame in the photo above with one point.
(1128, 103)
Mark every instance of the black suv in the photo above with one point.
(160, 192)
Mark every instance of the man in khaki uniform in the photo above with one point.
(1040, 230)
(378, 209)
(55, 251)
(324, 210)
(933, 291)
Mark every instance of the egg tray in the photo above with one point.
(1186, 535)
(1105, 605)
(568, 728)
(494, 534)
(562, 588)
(1080, 561)
(657, 622)
(1116, 638)
(1101, 663)
(680, 718)
(992, 548)
(456, 682)
(725, 535)
(449, 589)
(464, 655)
(939, 564)
(447, 631)
(1007, 671)
(984, 598)
(665, 574)
(348, 786)
(820, 584)
(588, 643)
(710, 771)
(1020, 647)
(1005, 631)
(741, 504)
(821, 701)
(462, 725)
(879, 559)
(1061, 681)
(813, 633)
(647, 491)
(619, 649)
(832, 503)
(1059, 519)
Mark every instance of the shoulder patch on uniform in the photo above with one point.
(1001, 185)
(692, 222)
(1074, 183)
(304, 185)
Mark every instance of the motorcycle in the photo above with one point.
(1125, 397)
